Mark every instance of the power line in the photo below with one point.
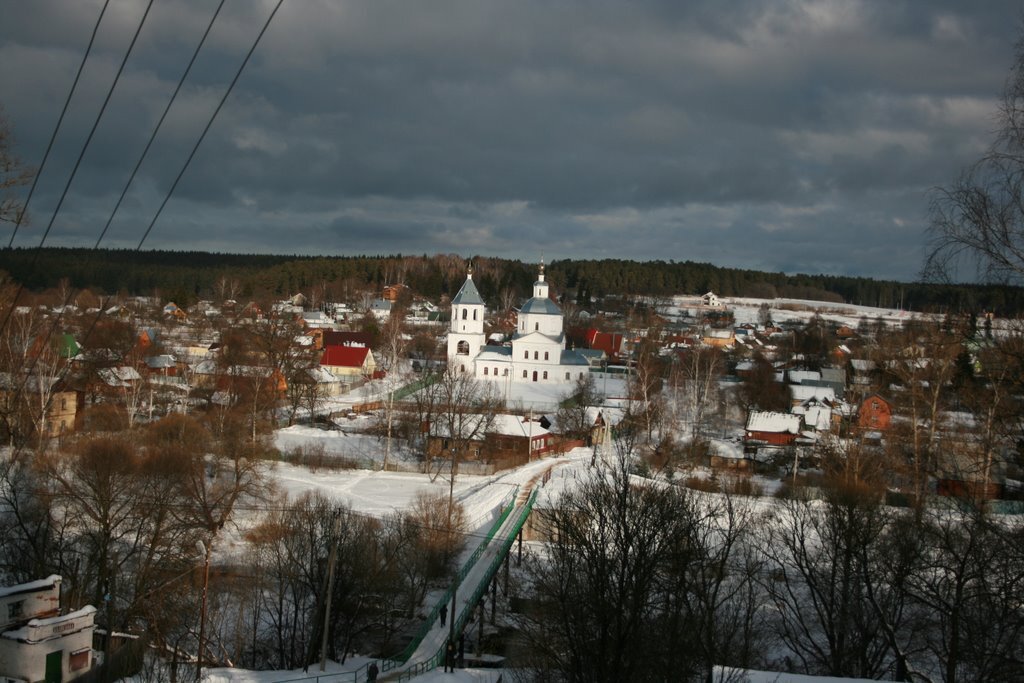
(53, 137)
(95, 125)
(210, 123)
(56, 210)
(159, 123)
(78, 162)
(206, 129)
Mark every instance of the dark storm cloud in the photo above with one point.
(783, 136)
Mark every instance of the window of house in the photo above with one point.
(545, 355)
(485, 371)
(16, 610)
(567, 375)
(63, 404)
(495, 373)
(79, 659)
(463, 369)
(545, 374)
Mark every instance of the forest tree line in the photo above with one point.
(187, 276)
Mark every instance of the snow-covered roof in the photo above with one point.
(801, 376)
(802, 393)
(765, 421)
(495, 353)
(119, 376)
(516, 425)
(164, 360)
(31, 586)
(321, 375)
(30, 631)
(817, 416)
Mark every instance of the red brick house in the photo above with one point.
(874, 413)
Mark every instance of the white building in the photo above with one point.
(537, 352)
(39, 643)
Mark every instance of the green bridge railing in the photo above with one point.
(437, 658)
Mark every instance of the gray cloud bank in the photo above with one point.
(792, 136)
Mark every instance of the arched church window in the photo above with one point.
(536, 326)
(545, 355)
(485, 371)
(463, 348)
(526, 355)
(474, 315)
(545, 374)
(524, 374)
(535, 355)
(465, 313)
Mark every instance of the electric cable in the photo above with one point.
(210, 123)
(152, 137)
(206, 129)
(78, 162)
(56, 129)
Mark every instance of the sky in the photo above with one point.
(787, 136)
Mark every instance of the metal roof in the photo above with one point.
(542, 306)
(468, 294)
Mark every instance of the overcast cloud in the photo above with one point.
(783, 136)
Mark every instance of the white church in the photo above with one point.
(537, 352)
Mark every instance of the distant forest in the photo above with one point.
(187, 276)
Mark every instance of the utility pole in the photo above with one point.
(208, 549)
(332, 560)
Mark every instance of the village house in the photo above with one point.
(773, 429)
(64, 403)
(507, 441)
(37, 642)
(874, 413)
(348, 363)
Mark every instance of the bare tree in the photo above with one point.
(392, 352)
(574, 412)
(13, 174)
(818, 582)
(639, 581)
(695, 377)
(979, 218)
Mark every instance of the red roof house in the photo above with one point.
(348, 363)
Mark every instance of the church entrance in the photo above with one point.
(534, 375)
